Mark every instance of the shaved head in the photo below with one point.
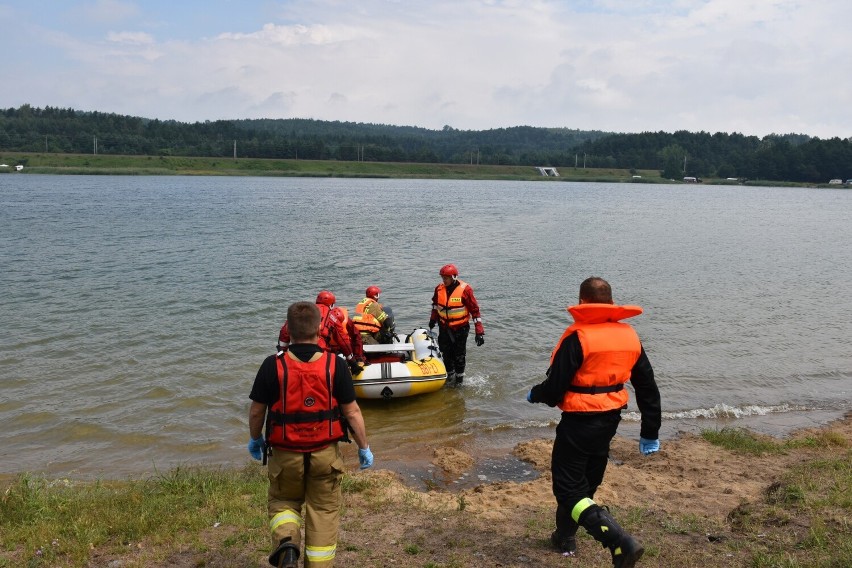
(595, 290)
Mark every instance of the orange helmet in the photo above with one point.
(449, 270)
(326, 297)
(373, 292)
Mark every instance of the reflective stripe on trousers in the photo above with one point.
(309, 480)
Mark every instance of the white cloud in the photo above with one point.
(297, 35)
(109, 11)
(134, 38)
(751, 66)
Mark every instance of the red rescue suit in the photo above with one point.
(610, 349)
(334, 333)
(306, 417)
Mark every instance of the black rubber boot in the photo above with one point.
(563, 538)
(623, 547)
(286, 555)
(459, 379)
(564, 544)
(451, 379)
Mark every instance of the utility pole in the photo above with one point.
(235, 149)
(45, 143)
(95, 145)
(584, 160)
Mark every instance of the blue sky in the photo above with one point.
(750, 66)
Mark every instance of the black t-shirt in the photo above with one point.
(266, 390)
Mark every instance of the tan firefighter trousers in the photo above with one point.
(313, 480)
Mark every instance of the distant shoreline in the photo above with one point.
(105, 164)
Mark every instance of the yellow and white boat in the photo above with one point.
(406, 367)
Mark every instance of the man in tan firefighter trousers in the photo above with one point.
(306, 397)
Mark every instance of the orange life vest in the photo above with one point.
(306, 417)
(610, 349)
(452, 312)
(366, 322)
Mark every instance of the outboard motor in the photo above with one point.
(424, 344)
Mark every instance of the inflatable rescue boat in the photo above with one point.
(409, 366)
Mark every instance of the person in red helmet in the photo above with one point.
(374, 321)
(337, 335)
(453, 306)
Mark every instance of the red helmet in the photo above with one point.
(449, 270)
(326, 297)
(373, 292)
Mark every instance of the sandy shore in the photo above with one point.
(691, 504)
(508, 523)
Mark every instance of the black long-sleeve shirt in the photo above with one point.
(569, 358)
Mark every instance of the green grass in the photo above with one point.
(806, 516)
(47, 163)
(108, 164)
(43, 521)
(803, 519)
(742, 441)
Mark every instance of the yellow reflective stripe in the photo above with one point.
(283, 518)
(320, 553)
(581, 506)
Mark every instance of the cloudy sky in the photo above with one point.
(751, 66)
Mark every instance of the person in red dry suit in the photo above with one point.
(338, 333)
(453, 304)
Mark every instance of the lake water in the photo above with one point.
(136, 310)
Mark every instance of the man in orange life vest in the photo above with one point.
(303, 394)
(588, 368)
(337, 334)
(373, 320)
(453, 304)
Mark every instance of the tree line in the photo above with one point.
(788, 157)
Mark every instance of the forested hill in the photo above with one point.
(790, 157)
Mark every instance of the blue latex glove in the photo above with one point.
(648, 446)
(529, 396)
(255, 447)
(365, 457)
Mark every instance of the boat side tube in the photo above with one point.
(425, 346)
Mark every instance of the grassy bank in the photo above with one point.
(46, 163)
(101, 164)
(195, 517)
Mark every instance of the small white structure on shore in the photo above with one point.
(19, 167)
(548, 172)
